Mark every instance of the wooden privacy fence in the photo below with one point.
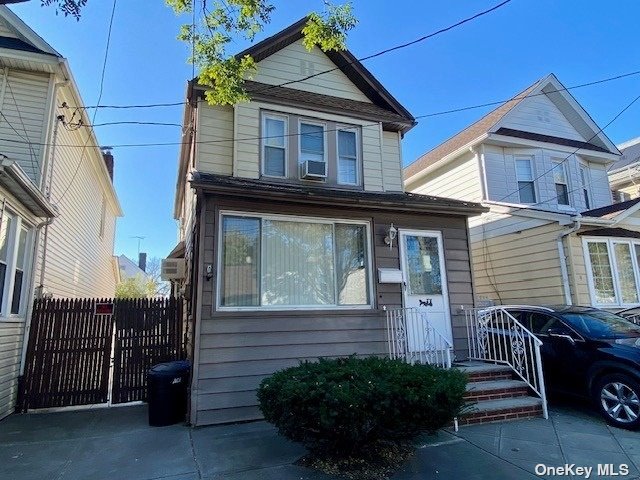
(78, 355)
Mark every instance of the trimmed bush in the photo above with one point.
(342, 406)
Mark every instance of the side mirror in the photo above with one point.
(561, 333)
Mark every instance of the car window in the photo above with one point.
(601, 324)
(540, 323)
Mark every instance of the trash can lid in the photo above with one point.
(176, 367)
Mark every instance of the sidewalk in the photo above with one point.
(117, 443)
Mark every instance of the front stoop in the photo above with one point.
(493, 394)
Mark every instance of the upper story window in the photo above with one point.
(560, 180)
(318, 151)
(524, 174)
(274, 147)
(584, 182)
(348, 157)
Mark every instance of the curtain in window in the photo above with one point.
(347, 157)
(19, 275)
(297, 263)
(241, 262)
(601, 272)
(626, 275)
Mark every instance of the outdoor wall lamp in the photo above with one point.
(392, 233)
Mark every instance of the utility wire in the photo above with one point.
(368, 57)
(102, 77)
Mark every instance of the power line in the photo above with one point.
(368, 57)
(93, 119)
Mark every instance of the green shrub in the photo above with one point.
(345, 405)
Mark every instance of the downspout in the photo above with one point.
(564, 271)
(47, 185)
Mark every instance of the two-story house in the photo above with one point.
(552, 235)
(624, 174)
(297, 230)
(58, 206)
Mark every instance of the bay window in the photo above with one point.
(280, 262)
(613, 268)
(15, 261)
(274, 147)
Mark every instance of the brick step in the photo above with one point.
(495, 389)
(502, 409)
(480, 372)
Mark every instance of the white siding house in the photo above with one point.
(539, 163)
(57, 202)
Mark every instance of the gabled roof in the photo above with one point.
(28, 40)
(344, 60)
(630, 154)
(491, 124)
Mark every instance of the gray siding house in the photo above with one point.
(296, 228)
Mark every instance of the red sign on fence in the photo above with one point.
(104, 309)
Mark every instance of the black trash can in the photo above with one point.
(167, 392)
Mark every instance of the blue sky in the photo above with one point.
(489, 59)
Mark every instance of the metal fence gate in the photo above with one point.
(81, 353)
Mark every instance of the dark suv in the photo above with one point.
(589, 352)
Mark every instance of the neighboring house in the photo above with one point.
(624, 175)
(57, 201)
(284, 205)
(552, 235)
(129, 269)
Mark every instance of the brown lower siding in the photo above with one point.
(237, 350)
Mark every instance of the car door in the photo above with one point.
(562, 352)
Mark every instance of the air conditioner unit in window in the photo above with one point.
(313, 170)
(173, 269)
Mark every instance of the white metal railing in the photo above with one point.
(414, 339)
(632, 314)
(497, 336)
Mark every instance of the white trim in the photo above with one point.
(359, 162)
(584, 176)
(443, 269)
(301, 219)
(562, 164)
(530, 159)
(264, 116)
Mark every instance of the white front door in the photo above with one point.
(424, 286)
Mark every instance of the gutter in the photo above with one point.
(564, 271)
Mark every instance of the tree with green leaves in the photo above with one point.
(213, 30)
(136, 287)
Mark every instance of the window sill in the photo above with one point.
(365, 310)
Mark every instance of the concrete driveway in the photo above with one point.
(117, 444)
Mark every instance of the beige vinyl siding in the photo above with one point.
(540, 115)
(214, 125)
(239, 349)
(391, 162)
(520, 267)
(11, 340)
(24, 100)
(372, 158)
(294, 62)
(577, 270)
(458, 179)
(79, 261)
(633, 190)
(247, 153)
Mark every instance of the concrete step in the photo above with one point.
(502, 409)
(480, 371)
(495, 390)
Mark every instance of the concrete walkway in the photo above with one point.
(117, 444)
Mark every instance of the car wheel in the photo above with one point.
(618, 398)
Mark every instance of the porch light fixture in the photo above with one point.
(392, 233)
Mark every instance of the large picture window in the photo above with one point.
(614, 273)
(281, 262)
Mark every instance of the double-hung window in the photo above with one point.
(15, 261)
(524, 175)
(274, 145)
(560, 181)
(584, 183)
(613, 268)
(281, 262)
(348, 157)
(312, 142)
